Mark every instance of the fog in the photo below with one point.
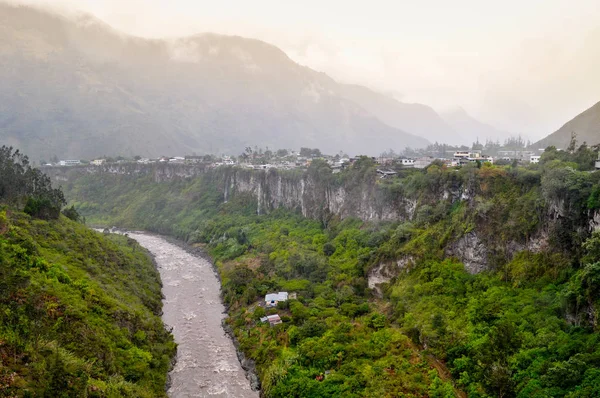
(526, 66)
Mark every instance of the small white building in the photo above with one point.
(408, 162)
(462, 154)
(98, 162)
(69, 162)
(272, 299)
(598, 162)
(534, 159)
(272, 319)
(447, 162)
(483, 159)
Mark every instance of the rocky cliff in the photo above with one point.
(160, 172)
(295, 190)
(314, 197)
(486, 233)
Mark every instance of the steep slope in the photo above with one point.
(471, 129)
(415, 118)
(77, 88)
(79, 313)
(586, 125)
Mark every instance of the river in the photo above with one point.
(207, 364)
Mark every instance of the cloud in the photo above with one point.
(523, 66)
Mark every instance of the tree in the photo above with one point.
(328, 249)
(72, 213)
(22, 185)
(493, 357)
(389, 154)
(239, 277)
(477, 146)
(282, 153)
(572, 143)
(310, 152)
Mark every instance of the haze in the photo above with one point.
(523, 66)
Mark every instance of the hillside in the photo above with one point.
(471, 129)
(79, 311)
(76, 88)
(586, 125)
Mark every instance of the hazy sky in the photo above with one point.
(523, 65)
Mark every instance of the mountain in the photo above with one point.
(471, 129)
(76, 88)
(417, 118)
(586, 125)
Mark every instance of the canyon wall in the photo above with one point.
(319, 194)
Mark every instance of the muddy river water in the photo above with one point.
(207, 364)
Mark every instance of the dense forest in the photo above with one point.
(79, 311)
(522, 323)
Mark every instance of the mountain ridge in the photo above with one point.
(82, 89)
(414, 117)
(586, 125)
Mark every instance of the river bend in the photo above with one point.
(207, 364)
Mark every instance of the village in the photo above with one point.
(389, 162)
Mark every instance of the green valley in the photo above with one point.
(490, 272)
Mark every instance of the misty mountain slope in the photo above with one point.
(77, 88)
(471, 129)
(586, 125)
(416, 118)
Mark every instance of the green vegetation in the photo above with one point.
(525, 327)
(79, 312)
(21, 185)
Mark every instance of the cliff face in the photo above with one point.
(312, 197)
(160, 172)
(477, 238)
(293, 190)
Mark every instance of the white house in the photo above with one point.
(98, 162)
(484, 159)
(69, 162)
(462, 154)
(598, 162)
(534, 159)
(272, 299)
(408, 162)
